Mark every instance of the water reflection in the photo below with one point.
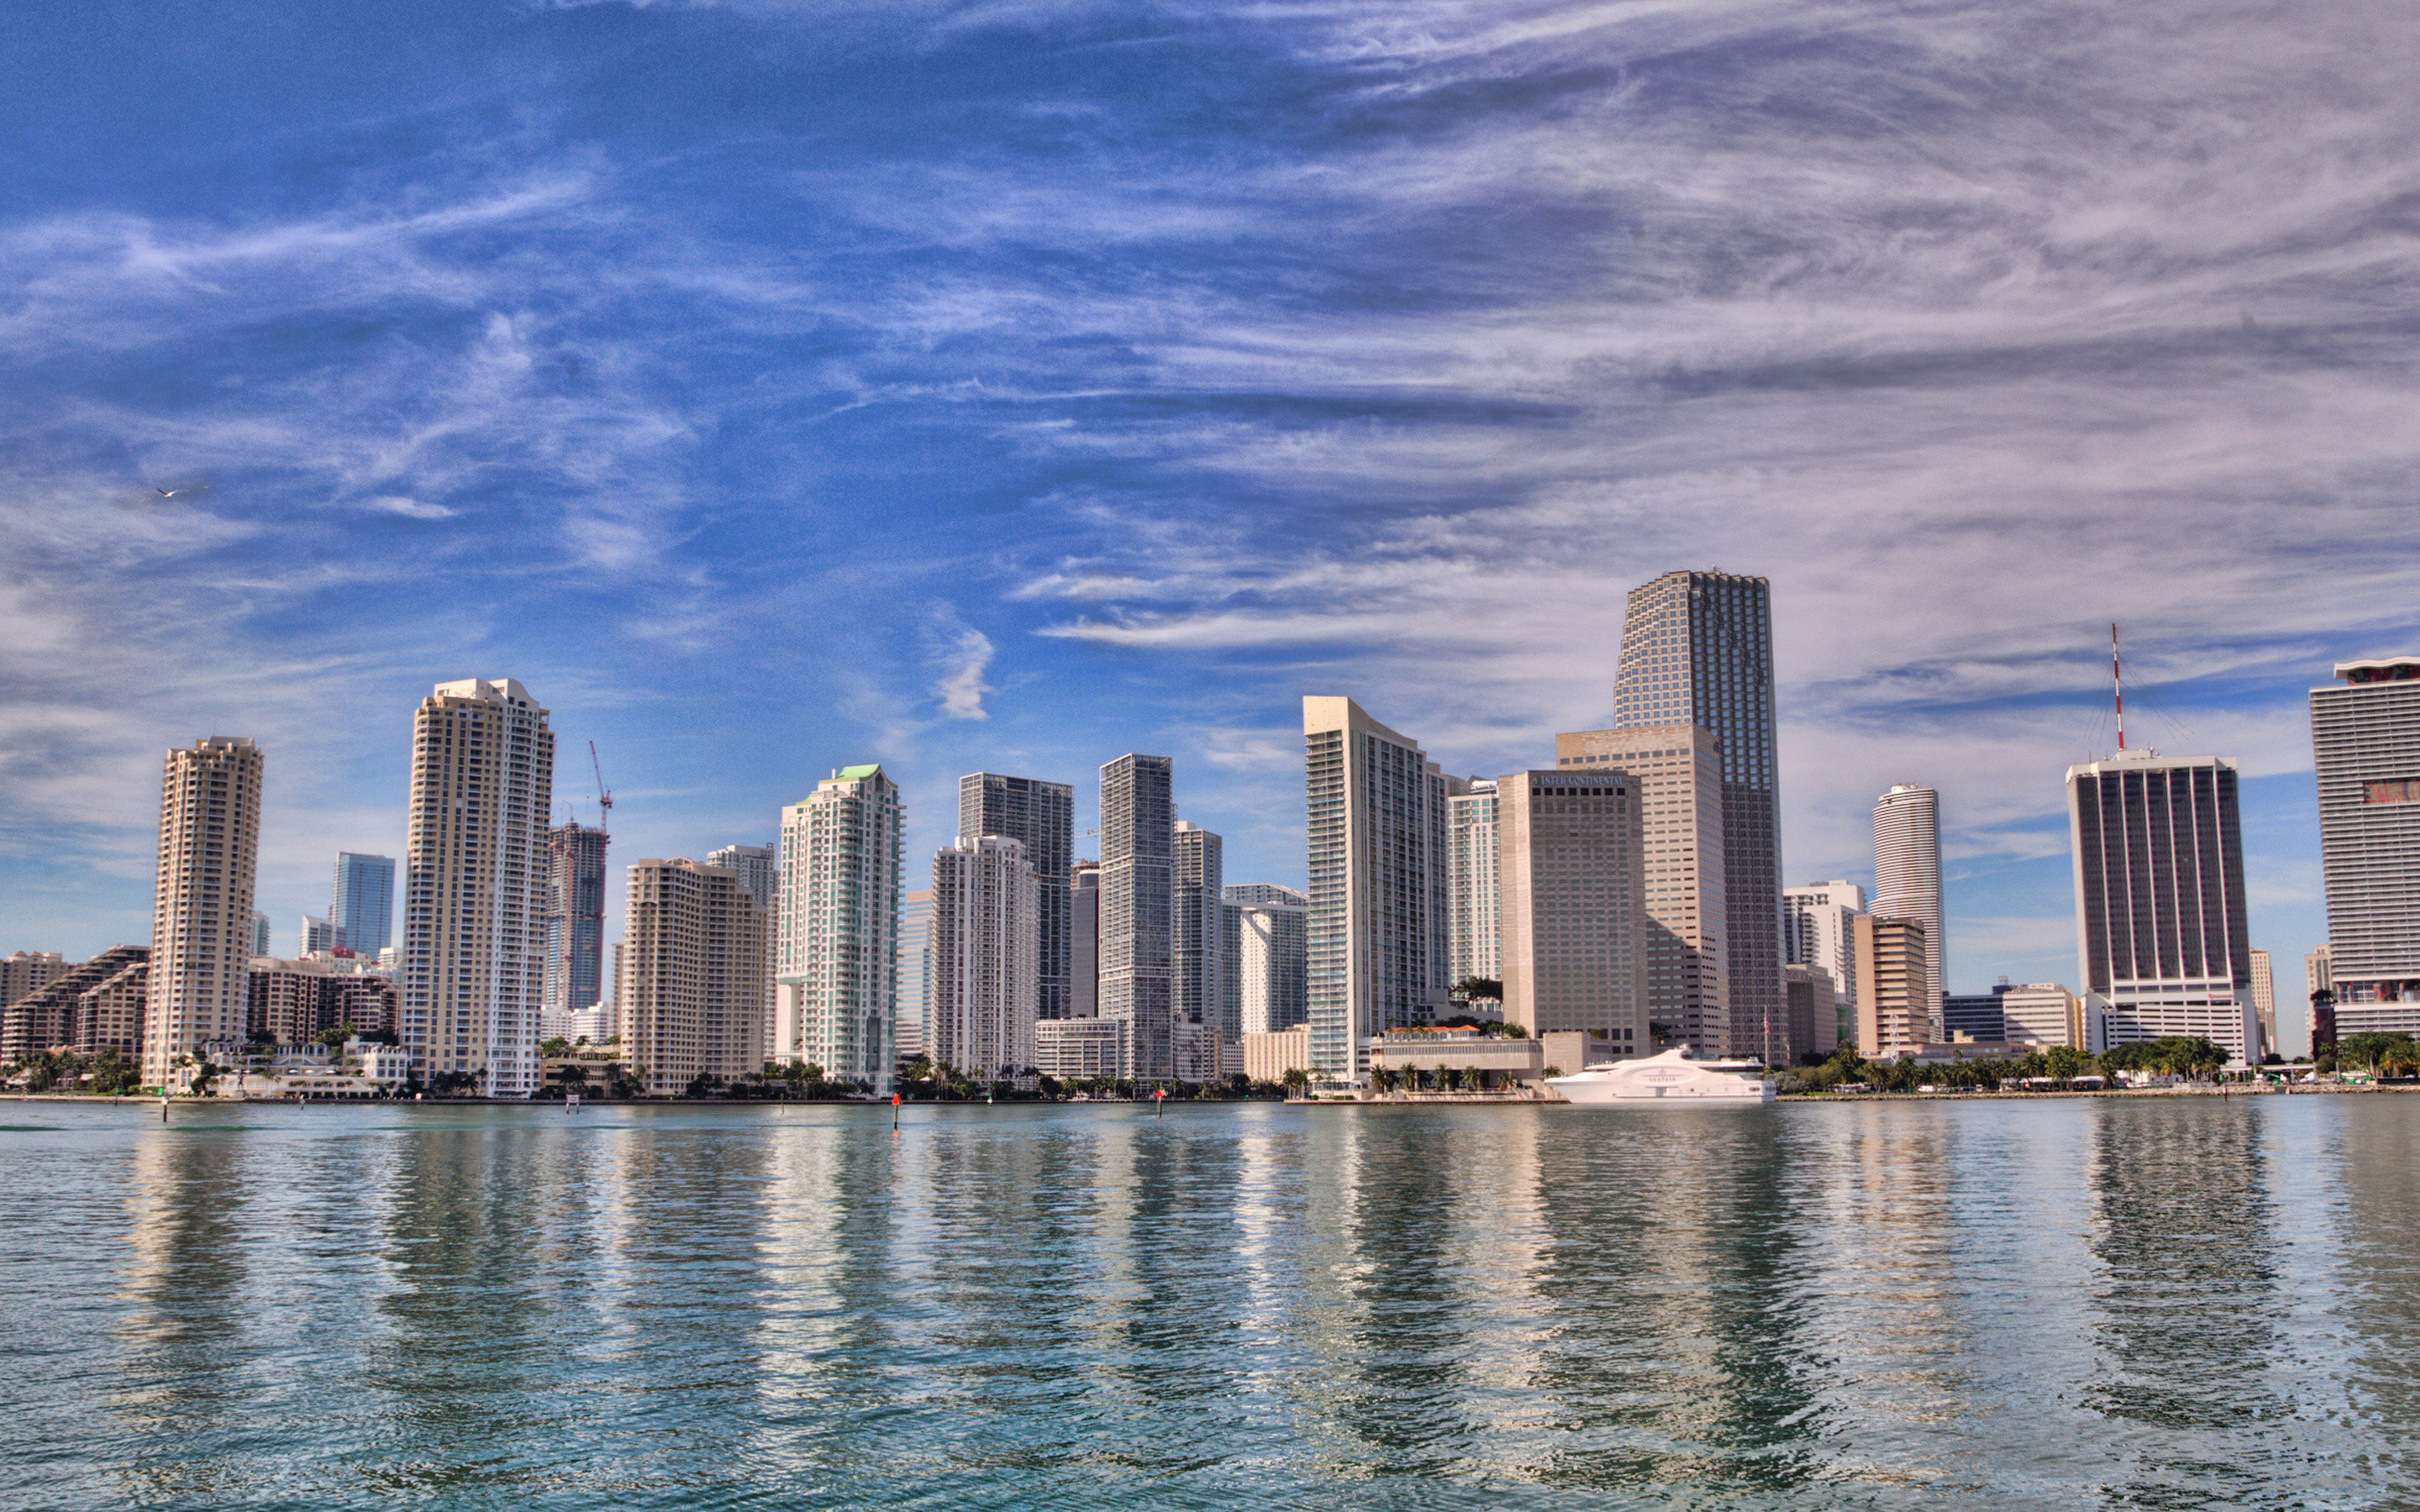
(2138, 1302)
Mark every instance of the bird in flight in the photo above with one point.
(180, 489)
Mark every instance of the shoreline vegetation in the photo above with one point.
(2176, 1066)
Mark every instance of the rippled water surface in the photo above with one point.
(2159, 1302)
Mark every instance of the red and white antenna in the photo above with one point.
(2115, 685)
(605, 799)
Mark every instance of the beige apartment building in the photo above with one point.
(198, 988)
(1267, 1056)
(692, 965)
(1894, 990)
(475, 886)
(1679, 773)
(1572, 869)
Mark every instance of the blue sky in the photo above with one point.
(773, 387)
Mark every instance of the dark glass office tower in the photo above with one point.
(1697, 649)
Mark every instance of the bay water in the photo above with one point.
(2158, 1302)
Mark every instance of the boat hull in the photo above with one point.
(1587, 1089)
(1670, 1077)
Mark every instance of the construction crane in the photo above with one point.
(604, 798)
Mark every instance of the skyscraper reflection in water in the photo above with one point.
(2176, 1302)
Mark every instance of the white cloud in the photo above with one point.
(961, 688)
(407, 508)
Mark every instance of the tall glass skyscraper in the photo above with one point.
(1697, 649)
(1041, 816)
(1380, 934)
(363, 905)
(1138, 898)
(2366, 735)
(1196, 955)
(575, 919)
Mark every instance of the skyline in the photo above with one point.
(961, 397)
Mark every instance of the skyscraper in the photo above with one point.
(362, 903)
(760, 873)
(1267, 928)
(1380, 939)
(199, 988)
(1573, 867)
(318, 934)
(1816, 931)
(1679, 773)
(1907, 876)
(2366, 736)
(1138, 898)
(840, 927)
(693, 992)
(1084, 941)
(27, 971)
(1471, 878)
(1894, 1004)
(987, 937)
(1197, 953)
(915, 973)
(1041, 816)
(475, 886)
(2264, 997)
(260, 929)
(575, 918)
(1697, 649)
(2161, 940)
(759, 868)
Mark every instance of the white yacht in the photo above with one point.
(1668, 1078)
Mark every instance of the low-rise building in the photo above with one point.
(1269, 1054)
(1493, 1061)
(1068, 1050)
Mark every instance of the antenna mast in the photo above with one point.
(605, 799)
(2116, 688)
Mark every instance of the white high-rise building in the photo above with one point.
(475, 886)
(1696, 650)
(1477, 947)
(915, 973)
(1907, 876)
(1267, 930)
(1380, 941)
(1138, 901)
(693, 992)
(838, 977)
(318, 934)
(199, 987)
(986, 953)
(1679, 768)
(1197, 954)
(2160, 919)
(2366, 740)
(1816, 931)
